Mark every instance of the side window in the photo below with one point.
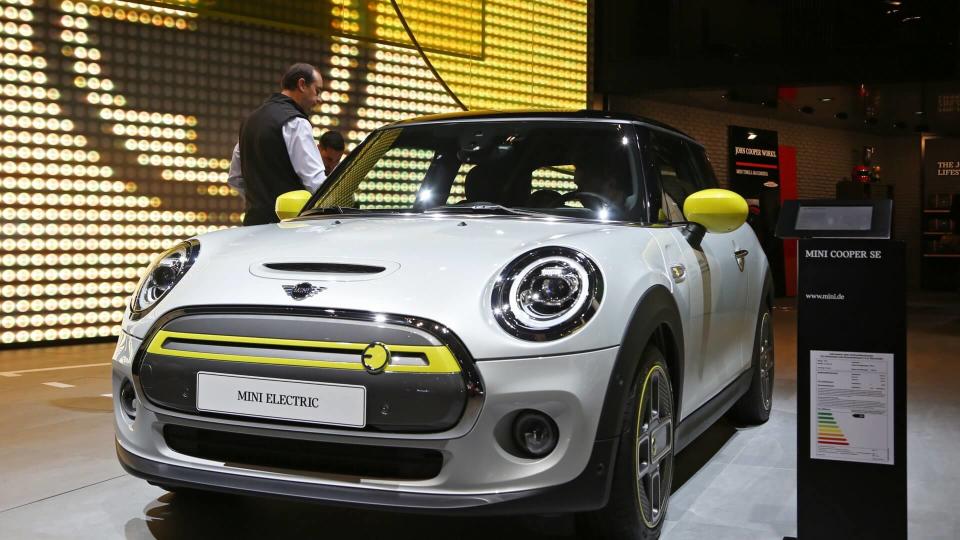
(679, 177)
(707, 175)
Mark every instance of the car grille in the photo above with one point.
(255, 451)
(429, 385)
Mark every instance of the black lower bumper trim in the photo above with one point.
(589, 491)
(255, 451)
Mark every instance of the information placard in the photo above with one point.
(851, 406)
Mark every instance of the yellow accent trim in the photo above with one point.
(719, 210)
(291, 203)
(439, 357)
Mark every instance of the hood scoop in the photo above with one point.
(328, 269)
(325, 268)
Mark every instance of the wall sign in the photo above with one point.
(754, 161)
(941, 163)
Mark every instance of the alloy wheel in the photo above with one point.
(654, 456)
(765, 358)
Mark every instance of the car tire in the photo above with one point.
(753, 408)
(643, 471)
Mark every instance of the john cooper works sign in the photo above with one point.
(754, 163)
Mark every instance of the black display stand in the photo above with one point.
(853, 305)
(851, 371)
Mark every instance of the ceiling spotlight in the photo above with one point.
(826, 99)
(751, 135)
(806, 109)
(841, 116)
(919, 113)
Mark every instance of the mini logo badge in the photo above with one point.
(302, 290)
(375, 358)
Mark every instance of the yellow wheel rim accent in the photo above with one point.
(639, 433)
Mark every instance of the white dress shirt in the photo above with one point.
(303, 152)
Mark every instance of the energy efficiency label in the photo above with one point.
(851, 406)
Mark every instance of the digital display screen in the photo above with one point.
(834, 218)
(118, 119)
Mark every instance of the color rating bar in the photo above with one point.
(828, 431)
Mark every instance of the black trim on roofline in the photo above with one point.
(584, 115)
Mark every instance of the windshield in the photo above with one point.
(568, 168)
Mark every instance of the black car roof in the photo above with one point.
(542, 115)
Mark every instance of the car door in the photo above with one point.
(736, 272)
(713, 283)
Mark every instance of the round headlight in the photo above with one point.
(547, 293)
(162, 275)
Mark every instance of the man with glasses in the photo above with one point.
(276, 152)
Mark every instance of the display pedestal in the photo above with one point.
(851, 390)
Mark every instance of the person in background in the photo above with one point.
(331, 150)
(276, 152)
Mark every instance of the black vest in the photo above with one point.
(264, 160)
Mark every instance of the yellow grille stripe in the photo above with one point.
(439, 357)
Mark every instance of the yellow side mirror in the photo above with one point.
(718, 210)
(291, 203)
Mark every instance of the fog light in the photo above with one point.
(128, 399)
(535, 433)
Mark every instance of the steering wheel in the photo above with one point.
(588, 196)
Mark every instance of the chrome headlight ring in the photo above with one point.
(547, 293)
(162, 275)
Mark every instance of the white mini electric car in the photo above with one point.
(477, 313)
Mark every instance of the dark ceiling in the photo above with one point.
(886, 109)
(644, 45)
(890, 66)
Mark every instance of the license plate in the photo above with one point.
(281, 399)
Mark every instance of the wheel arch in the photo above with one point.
(655, 319)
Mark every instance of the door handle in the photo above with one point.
(741, 255)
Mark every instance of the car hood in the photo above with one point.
(440, 268)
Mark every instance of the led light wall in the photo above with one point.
(117, 119)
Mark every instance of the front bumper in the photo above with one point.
(477, 474)
(588, 491)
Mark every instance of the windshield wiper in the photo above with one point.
(480, 208)
(326, 210)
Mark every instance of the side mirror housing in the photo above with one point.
(291, 203)
(718, 210)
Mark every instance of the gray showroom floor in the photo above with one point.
(59, 477)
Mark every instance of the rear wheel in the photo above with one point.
(754, 407)
(643, 473)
